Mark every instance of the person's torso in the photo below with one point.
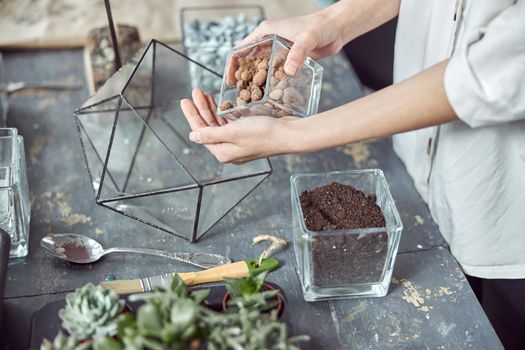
(469, 177)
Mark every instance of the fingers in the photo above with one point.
(213, 108)
(201, 102)
(231, 67)
(192, 114)
(211, 135)
(257, 33)
(301, 48)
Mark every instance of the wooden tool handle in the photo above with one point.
(234, 270)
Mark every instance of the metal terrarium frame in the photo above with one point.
(141, 165)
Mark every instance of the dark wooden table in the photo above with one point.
(429, 306)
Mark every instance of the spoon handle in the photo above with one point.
(203, 260)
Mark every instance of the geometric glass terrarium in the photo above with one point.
(135, 142)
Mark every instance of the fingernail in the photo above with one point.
(290, 68)
(195, 136)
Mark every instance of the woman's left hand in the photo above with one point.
(236, 141)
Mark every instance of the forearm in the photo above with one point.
(412, 104)
(356, 17)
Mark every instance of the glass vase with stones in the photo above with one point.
(346, 233)
(134, 137)
(210, 32)
(254, 82)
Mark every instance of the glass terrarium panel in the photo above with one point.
(217, 200)
(114, 85)
(173, 212)
(139, 161)
(95, 124)
(360, 261)
(138, 92)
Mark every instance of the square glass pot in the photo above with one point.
(254, 82)
(15, 210)
(346, 263)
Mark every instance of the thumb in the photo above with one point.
(297, 54)
(209, 135)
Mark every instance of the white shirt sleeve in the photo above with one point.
(485, 78)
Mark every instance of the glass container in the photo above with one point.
(140, 161)
(254, 82)
(210, 32)
(346, 263)
(15, 211)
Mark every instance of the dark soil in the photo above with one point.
(341, 259)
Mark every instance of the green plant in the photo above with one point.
(62, 342)
(247, 330)
(174, 318)
(91, 311)
(170, 319)
(249, 291)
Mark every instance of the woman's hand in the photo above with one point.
(314, 35)
(239, 141)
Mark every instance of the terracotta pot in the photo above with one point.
(279, 307)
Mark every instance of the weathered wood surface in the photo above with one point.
(430, 305)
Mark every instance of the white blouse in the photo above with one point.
(471, 172)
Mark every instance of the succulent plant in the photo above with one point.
(62, 342)
(249, 291)
(171, 318)
(247, 330)
(91, 311)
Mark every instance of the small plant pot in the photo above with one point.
(279, 308)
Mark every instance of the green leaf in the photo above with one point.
(149, 317)
(183, 313)
(105, 343)
(126, 324)
(199, 295)
(178, 286)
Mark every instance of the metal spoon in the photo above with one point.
(83, 250)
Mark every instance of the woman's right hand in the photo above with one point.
(314, 35)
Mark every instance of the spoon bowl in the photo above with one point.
(81, 249)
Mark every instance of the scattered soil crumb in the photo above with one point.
(411, 295)
(419, 220)
(76, 219)
(63, 208)
(45, 103)
(56, 202)
(358, 151)
(98, 232)
(444, 291)
(356, 311)
(35, 149)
